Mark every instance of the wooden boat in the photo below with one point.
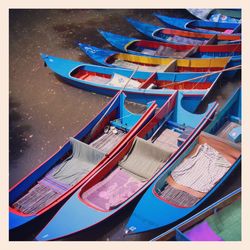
(171, 198)
(217, 15)
(181, 37)
(122, 179)
(152, 64)
(176, 233)
(162, 49)
(58, 177)
(199, 25)
(143, 86)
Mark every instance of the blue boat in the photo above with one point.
(180, 37)
(143, 63)
(160, 49)
(122, 179)
(217, 15)
(108, 81)
(199, 25)
(167, 201)
(178, 232)
(42, 190)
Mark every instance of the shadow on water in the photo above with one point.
(17, 131)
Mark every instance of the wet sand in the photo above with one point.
(45, 112)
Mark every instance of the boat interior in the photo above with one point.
(142, 161)
(84, 154)
(199, 169)
(118, 80)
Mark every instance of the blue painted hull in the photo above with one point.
(101, 56)
(63, 69)
(151, 212)
(197, 217)
(186, 24)
(79, 216)
(154, 32)
(122, 42)
(18, 219)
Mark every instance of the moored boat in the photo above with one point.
(217, 15)
(50, 183)
(199, 25)
(198, 173)
(181, 37)
(112, 58)
(201, 221)
(128, 174)
(140, 86)
(162, 49)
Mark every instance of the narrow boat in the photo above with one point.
(198, 172)
(199, 25)
(130, 172)
(199, 221)
(161, 49)
(181, 37)
(152, 64)
(217, 15)
(140, 86)
(58, 177)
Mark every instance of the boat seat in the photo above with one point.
(226, 129)
(144, 159)
(84, 158)
(96, 79)
(171, 67)
(120, 81)
(164, 51)
(134, 66)
(186, 40)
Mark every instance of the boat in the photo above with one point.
(178, 191)
(152, 64)
(130, 172)
(140, 86)
(217, 15)
(198, 222)
(58, 177)
(199, 25)
(181, 37)
(162, 49)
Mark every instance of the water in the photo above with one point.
(45, 112)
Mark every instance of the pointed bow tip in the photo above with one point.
(43, 56)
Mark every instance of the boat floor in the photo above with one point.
(168, 139)
(47, 190)
(108, 140)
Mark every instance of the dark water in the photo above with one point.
(44, 111)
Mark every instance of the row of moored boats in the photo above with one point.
(178, 159)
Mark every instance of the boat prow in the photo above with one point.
(117, 41)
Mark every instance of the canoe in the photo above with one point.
(112, 58)
(171, 197)
(217, 15)
(148, 86)
(199, 25)
(123, 179)
(181, 37)
(176, 233)
(51, 182)
(161, 49)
